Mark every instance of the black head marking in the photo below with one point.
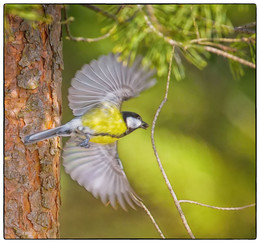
(130, 114)
(133, 125)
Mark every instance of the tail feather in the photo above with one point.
(57, 131)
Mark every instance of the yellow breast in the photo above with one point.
(105, 118)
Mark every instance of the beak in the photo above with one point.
(144, 125)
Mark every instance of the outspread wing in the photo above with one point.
(107, 79)
(100, 171)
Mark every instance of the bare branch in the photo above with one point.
(177, 204)
(215, 207)
(100, 10)
(230, 56)
(245, 28)
(82, 39)
(119, 9)
(152, 219)
(110, 15)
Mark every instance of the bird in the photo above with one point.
(90, 156)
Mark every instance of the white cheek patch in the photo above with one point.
(133, 122)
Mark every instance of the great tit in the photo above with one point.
(90, 156)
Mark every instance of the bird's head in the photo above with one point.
(133, 121)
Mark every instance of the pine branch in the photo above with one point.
(230, 56)
(227, 40)
(155, 27)
(157, 32)
(220, 46)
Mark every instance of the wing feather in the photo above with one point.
(100, 171)
(103, 69)
(91, 72)
(107, 79)
(101, 75)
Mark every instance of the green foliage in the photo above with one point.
(243, 49)
(31, 12)
(149, 30)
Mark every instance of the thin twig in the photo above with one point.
(153, 220)
(119, 9)
(230, 56)
(82, 39)
(110, 15)
(151, 217)
(245, 28)
(215, 207)
(177, 204)
(68, 20)
(100, 10)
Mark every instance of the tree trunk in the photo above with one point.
(33, 65)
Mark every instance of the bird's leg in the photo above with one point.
(85, 142)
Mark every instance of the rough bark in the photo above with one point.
(33, 64)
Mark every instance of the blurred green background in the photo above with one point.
(205, 136)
